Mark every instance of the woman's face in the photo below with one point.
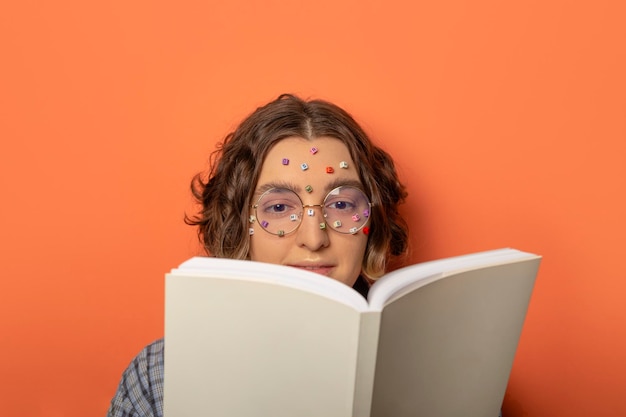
(324, 251)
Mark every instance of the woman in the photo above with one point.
(279, 190)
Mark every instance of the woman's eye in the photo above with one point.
(277, 208)
(340, 205)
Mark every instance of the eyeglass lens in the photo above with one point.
(280, 211)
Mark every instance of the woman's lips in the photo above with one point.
(318, 269)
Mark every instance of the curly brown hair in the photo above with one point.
(225, 193)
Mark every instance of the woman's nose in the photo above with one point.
(312, 232)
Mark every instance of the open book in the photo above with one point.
(435, 339)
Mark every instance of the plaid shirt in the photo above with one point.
(140, 393)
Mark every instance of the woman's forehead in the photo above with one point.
(323, 160)
(295, 151)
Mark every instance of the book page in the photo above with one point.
(250, 348)
(275, 274)
(446, 348)
(404, 280)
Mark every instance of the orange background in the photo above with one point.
(507, 121)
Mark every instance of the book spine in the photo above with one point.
(369, 329)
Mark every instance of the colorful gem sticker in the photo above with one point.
(366, 230)
(314, 150)
(323, 225)
(250, 231)
(329, 170)
(285, 161)
(264, 223)
(281, 233)
(366, 213)
(353, 230)
(293, 217)
(343, 165)
(251, 219)
(337, 223)
(308, 189)
(356, 217)
(304, 166)
(310, 212)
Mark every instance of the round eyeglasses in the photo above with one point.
(279, 211)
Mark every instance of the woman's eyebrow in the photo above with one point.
(277, 184)
(337, 182)
(343, 182)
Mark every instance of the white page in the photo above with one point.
(401, 281)
(276, 274)
(250, 348)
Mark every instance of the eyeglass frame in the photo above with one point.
(304, 206)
